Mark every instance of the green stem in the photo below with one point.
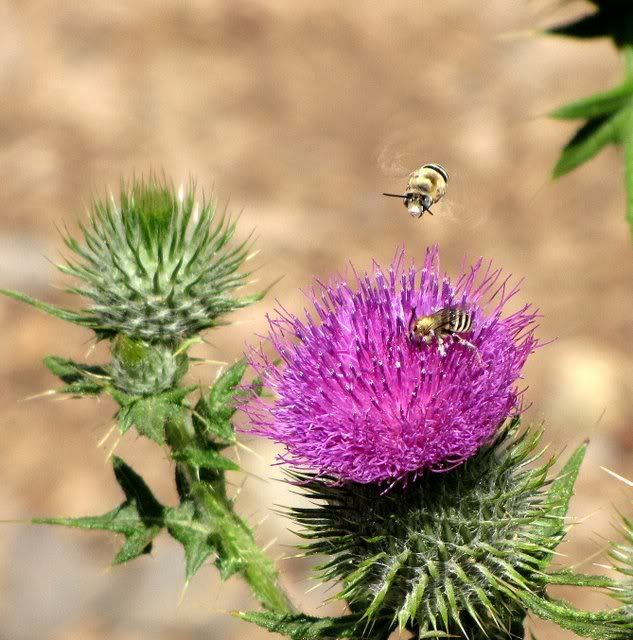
(234, 540)
(238, 548)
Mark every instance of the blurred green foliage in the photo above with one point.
(606, 117)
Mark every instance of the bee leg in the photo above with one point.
(471, 346)
(440, 346)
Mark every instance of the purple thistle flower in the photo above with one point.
(358, 398)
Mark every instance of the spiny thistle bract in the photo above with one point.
(358, 398)
(457, 554)
(156, 266)
(449, 552)
(622, 556)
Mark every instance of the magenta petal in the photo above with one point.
(357, 399)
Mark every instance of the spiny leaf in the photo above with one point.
(302, 627)
(628, 173)
(151, 414)
(558, 497)
(601, 625)
(139, 518)
(81, 379)
(227, 532)
(148, 415)
(215, 409)
(207, 458)
(236, 548)
(183, 523)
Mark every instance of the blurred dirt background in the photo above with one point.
(297, 113)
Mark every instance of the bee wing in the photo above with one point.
(455, 213)
(411, 144)
(392, 163)
(444, 317)
(399, 155)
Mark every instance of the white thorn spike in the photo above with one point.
(268, 545)
(113, 449)
(106, 436)
(250, 256)
(618, 476)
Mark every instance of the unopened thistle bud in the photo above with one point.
(155, 265)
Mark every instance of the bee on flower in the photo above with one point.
(358, 399)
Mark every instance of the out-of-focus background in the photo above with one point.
(300, 114)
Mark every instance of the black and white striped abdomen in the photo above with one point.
(459, 321)
(438, 168)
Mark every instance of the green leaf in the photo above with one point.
(214, 411)
(558, 497)
(236, 547)
(613, 18)
(184, 524)
(608, 115)
(593, 136)
(597, 105)
(302, 627)
(207, 458)
(139, 518)
(614, 624)
(228, 533)
(150, 414)
(81, 379)
(595, 25)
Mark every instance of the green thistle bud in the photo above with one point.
(140, 368)
(157, 266)
(451, 553)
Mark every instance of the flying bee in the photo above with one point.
(426, 186)
(448, 322)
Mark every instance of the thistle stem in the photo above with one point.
(236, 546)
(237, 541)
